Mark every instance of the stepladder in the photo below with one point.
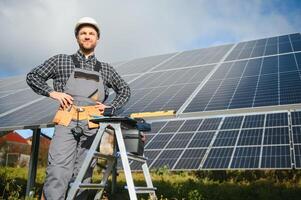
(117, 125)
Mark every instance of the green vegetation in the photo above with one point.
(200, 185)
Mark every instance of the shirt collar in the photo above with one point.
(81, 56)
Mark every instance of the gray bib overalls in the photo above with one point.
(66, 154)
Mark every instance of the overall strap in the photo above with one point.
(76, 63)
(97, 66)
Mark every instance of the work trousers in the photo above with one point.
(65, 157)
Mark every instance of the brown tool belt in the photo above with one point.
(64, 116)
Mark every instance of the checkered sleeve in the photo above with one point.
(37, 77)
(121, 88)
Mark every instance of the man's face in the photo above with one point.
(87, 38)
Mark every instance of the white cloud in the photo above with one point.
(33, 30)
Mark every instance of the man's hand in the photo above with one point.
(101, 107)
(65, 99)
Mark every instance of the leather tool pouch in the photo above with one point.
(63, 117)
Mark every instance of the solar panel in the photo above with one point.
(196, 57)
(201, 139)
(180, 140)
(191, 159)
(166, 90)
(297, 151)
(226, 138)
(250, 137)
(296, 118)
(246, 158)
(141, 65)
(232, 122)
(252, 141)
(276, 157)
(276, 136)
(260, 79)
(218, 158)
(167, 158)
(277, 119)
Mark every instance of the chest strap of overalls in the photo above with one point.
(64, 116)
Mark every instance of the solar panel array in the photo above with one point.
(260, 141)
(251, 74)
(256, 73)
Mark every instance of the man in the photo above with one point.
(81, 85)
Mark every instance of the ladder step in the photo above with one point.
(137, 158)
(100, 155)
(93, 186)
(143, 190)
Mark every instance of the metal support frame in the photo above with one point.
(32, 168)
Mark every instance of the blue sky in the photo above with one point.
(34, 30)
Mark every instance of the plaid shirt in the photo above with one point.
(60, 67)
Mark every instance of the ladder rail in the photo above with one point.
(86, 164)
(111, 166)
(124, 160)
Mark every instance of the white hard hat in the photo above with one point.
(86, 20)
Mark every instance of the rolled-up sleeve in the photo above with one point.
(37, 77)
(121, 88)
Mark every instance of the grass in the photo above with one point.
(200, 185)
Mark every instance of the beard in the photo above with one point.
(87, 48)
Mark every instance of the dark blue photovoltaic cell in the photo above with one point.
(221, 71)
(297, 150)
(246, 157)
(200, 101)
(287, 63)
(226, 138)
(298, 59)
(297, 45)
(253, 67)
(167, 158)
(180, 140)
(223, 96)
(276, 119)
(236, 69)
(218, 158)
(276, 136)
(149, 138)
(271, 50)
(297, 134)
(290, 88)
(156, 126)
(269, 65)
(285, 47)
(201, 139)
(276, 157)
(245, 92)
(267, 91)
(250, 137)
(232, 122)
(141, 65)
(296, 118)
(159, 141)
(253, 121)
(150, 155)
(12, 101)
(210, 124)
(191, 159)
(190, 125)
(196, 57)
(295, 36)
(172, 126)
